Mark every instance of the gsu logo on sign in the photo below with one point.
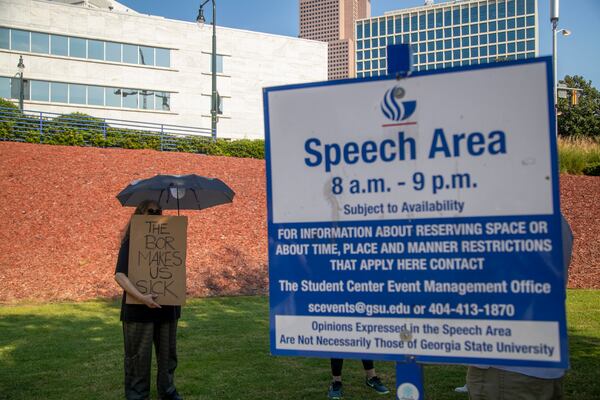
(394, 110)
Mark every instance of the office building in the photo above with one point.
(450, 34)
(101, 58)
(332, 21)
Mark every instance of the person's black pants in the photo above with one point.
(138, 338)
(338, 363)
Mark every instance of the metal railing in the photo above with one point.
(84, 130)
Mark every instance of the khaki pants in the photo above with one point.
(497, 384)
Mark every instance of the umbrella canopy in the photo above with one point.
(175, 192)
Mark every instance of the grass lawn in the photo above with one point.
(74, 351)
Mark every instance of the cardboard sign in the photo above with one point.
(417, 217)
(157, 250)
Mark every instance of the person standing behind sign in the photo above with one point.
(371, 380)
(144, 324)
(523, 383)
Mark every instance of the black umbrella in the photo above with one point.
(175, 192)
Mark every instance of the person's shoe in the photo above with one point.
(335, 390)
(462, 389)
(375, 384)
(172, 396)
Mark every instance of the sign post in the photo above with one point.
(417, 218)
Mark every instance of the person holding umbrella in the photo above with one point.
(149, 322)
(144, 324)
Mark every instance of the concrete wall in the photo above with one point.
(251, 61)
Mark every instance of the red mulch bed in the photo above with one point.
(61, 223)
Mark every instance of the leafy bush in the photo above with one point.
(78, 129)
(592, 169)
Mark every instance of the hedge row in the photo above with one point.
(79, 129)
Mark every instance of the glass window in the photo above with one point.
(367, 29)
(359, 75)
(456, 16)
(359, 55)
(510, 23)
(530, 20)
(390, 25)
(430, 17)
(59, 92)
(530, 6)
(77, 94)
(367, 44)
(439, 33)
(113, 97)
(374, 42)
(474, 40)
(465, 30)
(439, 56)
(483, 28)
(456, 31)
(448, 32)
(405, 24)
(439, 45)
(448, 55)
(374, 53)
(40, 90)
(530, 45)
(510, 8)
(4, 87)
(521, 22)
(456, 54)
(398, 23)
(95, 50)
(474, 28)
(430, 46)
(501, 49)
(382, 52)
(483, 39)
(20, 40)
(422, 58)
(483, 51)
(359, 46)
(146, 100)
(456, 42)
(430, 35)
(146, 55)
(492, 50)
(465, 53)
(59, 45)
(367, 64)
(501, 9)
(414, 37)
(465, 41)
(95, 95)
(40, 43)
(130, 98)
(447, 44)
(406, 39)
(422, 23)
(359, 32)
(77, 47)
(520, 46)
(130, 54)
(492, 26)
(382, 41)
(359, 66)
(447, 18)
(530, 55)
(398, 39)
(492, 10)
(502, 25)
(510, 47)
(374, 30)
(465, 15)
(4, 38)
(382, 26)
(501, 36)
(475, 52)
(422, 47)
(439, 19)
(492, 38)
(431, 57)
(510, 35)
(483, 12)
(530, 33)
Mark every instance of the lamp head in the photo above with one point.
(565, 32)
(20, 65)
(200, 20)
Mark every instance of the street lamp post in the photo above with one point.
(554, 15)
(21, 67)
(214, 96)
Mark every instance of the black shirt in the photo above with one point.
(141, 312)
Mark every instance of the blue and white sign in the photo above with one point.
(417, 217)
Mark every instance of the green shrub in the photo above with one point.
(10, 115)
(578, 155)
(592, 169)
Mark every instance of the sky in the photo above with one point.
(578, 54)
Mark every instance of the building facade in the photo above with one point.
(332, 21)
(450, 34)
(102, 59)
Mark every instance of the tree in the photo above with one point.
(583, 118)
